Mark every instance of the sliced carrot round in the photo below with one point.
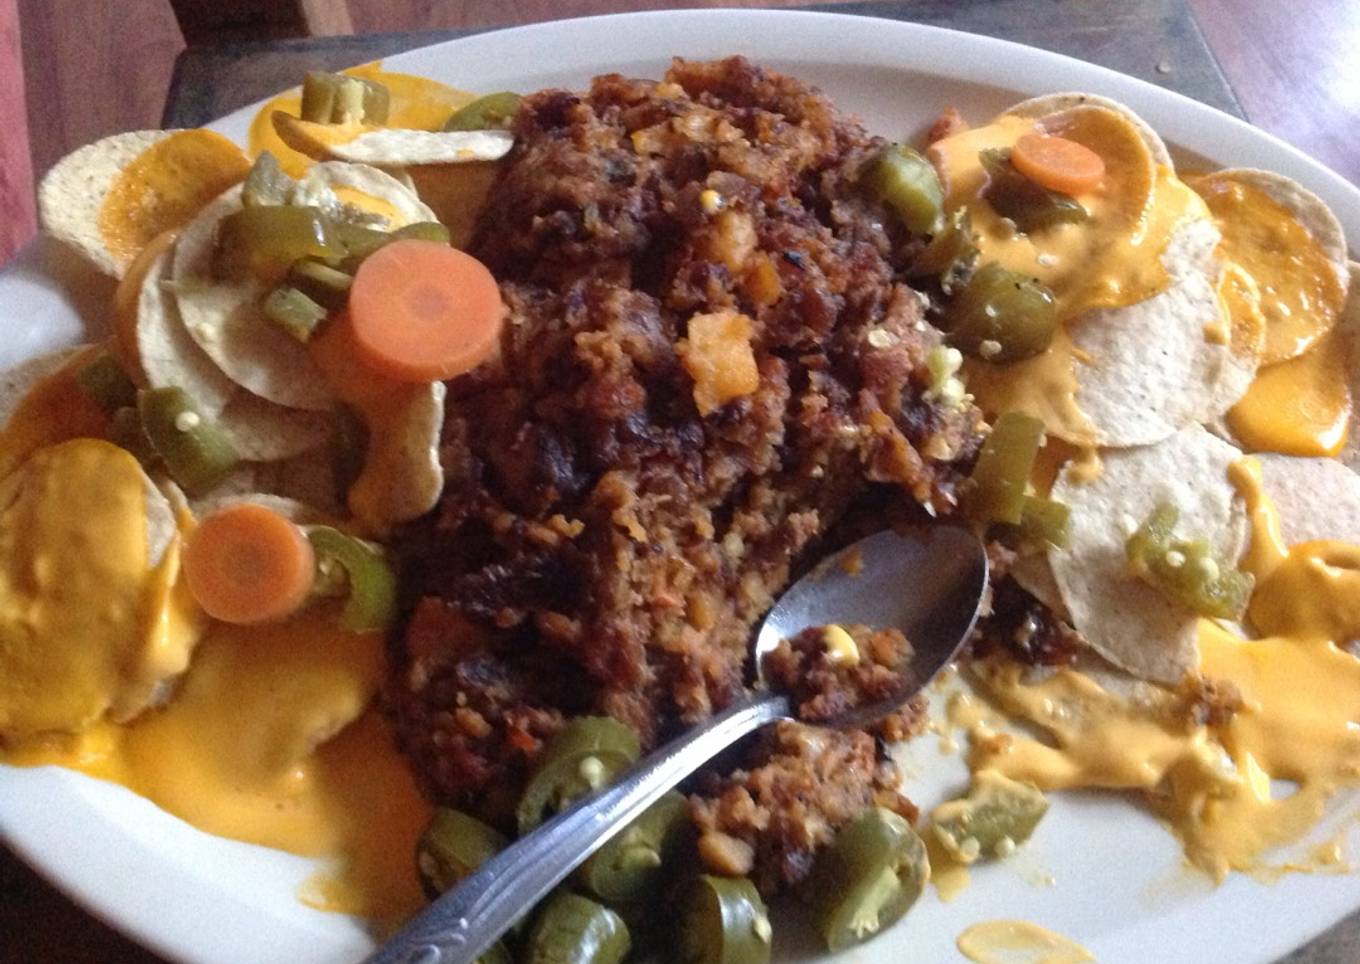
(422, 311)
(1058, 163)
(248, 564)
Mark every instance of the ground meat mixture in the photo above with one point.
(829, 671)
(710, 359)
(801, 785)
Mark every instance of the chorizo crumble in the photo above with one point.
(711, 358)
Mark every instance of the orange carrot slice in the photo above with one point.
(248, 564)
(1057, 163)
(422, 311)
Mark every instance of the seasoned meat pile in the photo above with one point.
(710, 357)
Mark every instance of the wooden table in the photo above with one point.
(1161, 41)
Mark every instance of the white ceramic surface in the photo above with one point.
(1100, 869)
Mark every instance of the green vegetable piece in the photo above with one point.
(906, 182)
(1045, 523)
(868, 878)
(632, 865)
(452, 847)
(372, 601)
(266, 185)
(582, 758)
(106, 381)
(996, 491)
(951, 256)
(1014, 196)
(327, 286)
(997, 814)
(263, 242)
(293, 311)
(497, 954)
(126, 432)
(341, 99)
(492, 112)
(196, 453)
(1001, 316)
(723, 921)
(571, 929)
(423, 231)
(1187, 571)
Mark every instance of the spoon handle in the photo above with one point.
(461, 926)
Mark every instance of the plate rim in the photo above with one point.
(1193, 126)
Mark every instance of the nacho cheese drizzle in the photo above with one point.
(1110, 260)
(1213, 783)
(1018, 942)
(1299, 407)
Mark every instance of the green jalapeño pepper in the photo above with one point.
(996, 489)
(196, 453)
(582, 758)
(452, 847)
(372, 598)
(571, 929)
(724, 921)
(632, 865)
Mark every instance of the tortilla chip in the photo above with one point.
(1152, 370)
(72, 193)
(1034, 574)
(1049, 104)
(294, 510)
(225, 320)
(1316, 498)
(457, 193)
(317, 188)
(389, 147)
(402, 476)
(1348, 330)
(1126, 620)
(166, 353)
(16, 382)
(261, 431)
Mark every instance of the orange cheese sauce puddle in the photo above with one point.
(165, 186)
(417, 103)
(1018, 942)
(1213, 783)
(1112, 259)
(1296, 289)
(232, 754)
(1302, 406)
(54, 410)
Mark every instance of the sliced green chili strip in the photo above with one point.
(263, 242)
(997, 814)
(327, 286)
(723, 921)
(951, 256)
(869, 877)
(338, 99)
(107, 382)
(1001, 316)
(1015, 196)
(294, 312)
(996, 491)
(632, 865)
(196, 453)
(452, 847)
(1187, 571)
(492, 112)
(372, 600)
(1045, 523)
(906, 182)
(266, 184)
(582, 758)
(571, 929)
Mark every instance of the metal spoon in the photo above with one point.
(928, 582)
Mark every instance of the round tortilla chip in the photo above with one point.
(1037, 108)
(16, 382)
(225, 320)
(166, 353)
(1152, 370)
(389, 146)
(72, 193)
(261, 431)
(292, 509)
(317, 187)
(1123, 618)
(1034, 574)
(1348, 330)
(402, 476)
(1316, 498)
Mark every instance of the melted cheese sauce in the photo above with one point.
(1018, 942)
(1294, 286)
(56, 409)
(1110, 260)
(165, 186)
(268, 741)
(1299, 407)
(416, 103)
(88, 625)
(1213, 784)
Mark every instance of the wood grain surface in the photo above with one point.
(16, 171)
(92, 67)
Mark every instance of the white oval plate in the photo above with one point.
(1100, 869)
